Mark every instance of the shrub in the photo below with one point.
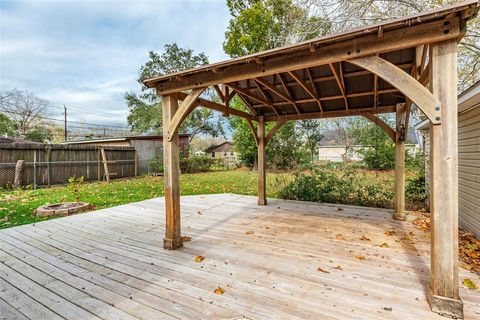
(415, 191)
(155, 166)
(322, 185)
(75, 184)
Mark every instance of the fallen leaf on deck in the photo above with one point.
(249, 232)
(340, 209)
(186, 238)
(322, 270)
(469, 284)
(339, 236)
(383, 245)
(364, 238)
(199, 258)
(360, 257)
(389, 233)
(339, 268)
(219, 291)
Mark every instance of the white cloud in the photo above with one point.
(86, 54)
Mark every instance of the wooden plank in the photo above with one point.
(187, 106)
(105, 164)
(444, 292)
(173, 236)
(9, 312)
(333, 114)
(305, 87)
(400, 137)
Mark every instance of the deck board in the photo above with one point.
(110, 264)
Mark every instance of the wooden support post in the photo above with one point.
(105, 164)
(171, 167)
(17, 182)
(443, 294)
(400, 137)
(262, 197)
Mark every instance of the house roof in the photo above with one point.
(117, 139)
(16, 140)
(214, 147)
(325, 77)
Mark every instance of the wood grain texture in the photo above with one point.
(262, 144)
(110, 264)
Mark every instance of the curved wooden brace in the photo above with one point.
(404, 82)
(253, 129)
(382, 124)
(188, 104)
(274, 130)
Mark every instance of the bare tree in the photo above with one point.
(342, 136)
(23, 108)
(349, 14)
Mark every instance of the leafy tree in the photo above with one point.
(145, 114)
(7, 127)
(310, 130)
(258, 25)
(378, 150)
(40, 134)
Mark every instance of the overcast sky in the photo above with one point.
(86, 54)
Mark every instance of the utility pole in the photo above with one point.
(65, 113)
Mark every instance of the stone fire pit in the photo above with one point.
(61, 209)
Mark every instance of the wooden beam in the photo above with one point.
(246, 102)
(327, 98)
(275, 90)
(173, 237)
(340, 83)
(399, 140)
(410, 87)
(262, 143)
(264, 94)
(280, 123)
(443, 293)
(249, 94)
(218, 107)
(315, 91)
(253, 129)
(306, 88)
(288, 92)
(187, 106)
(361, 45)
(219, 92)
(382, 124)
(332, 114)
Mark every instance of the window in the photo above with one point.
(224, 154)
(213, 154)
(231, 153)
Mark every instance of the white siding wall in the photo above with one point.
(469, 170)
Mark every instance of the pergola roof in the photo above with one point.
(315, 77)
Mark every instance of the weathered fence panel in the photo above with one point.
(49, 164)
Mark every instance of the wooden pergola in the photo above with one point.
(384, 68)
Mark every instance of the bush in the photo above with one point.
(415, 191)
(196, 163)
(155, 166)
(321, 185)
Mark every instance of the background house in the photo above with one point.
(468, 157)
(223, 151)
(146, 147)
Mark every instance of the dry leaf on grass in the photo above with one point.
(199, 258)
(186, 238)
(322, 270)
(383, 245)
(469, 284)
(339, 267)
(339, 236)
(364, 238)
(360, 257)
(219, 291)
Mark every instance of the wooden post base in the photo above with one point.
(452, 308)
(262, 202)
(401, 216)
(172, 244)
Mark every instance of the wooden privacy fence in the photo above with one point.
(49, 164)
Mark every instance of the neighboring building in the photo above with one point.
(468, 157)
(330, 150)
(221, 151)
(147, 147)
(16, 140)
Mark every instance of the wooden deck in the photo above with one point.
(110, 264)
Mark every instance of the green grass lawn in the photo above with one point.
(16, 207)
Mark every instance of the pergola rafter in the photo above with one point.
(378, 69)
